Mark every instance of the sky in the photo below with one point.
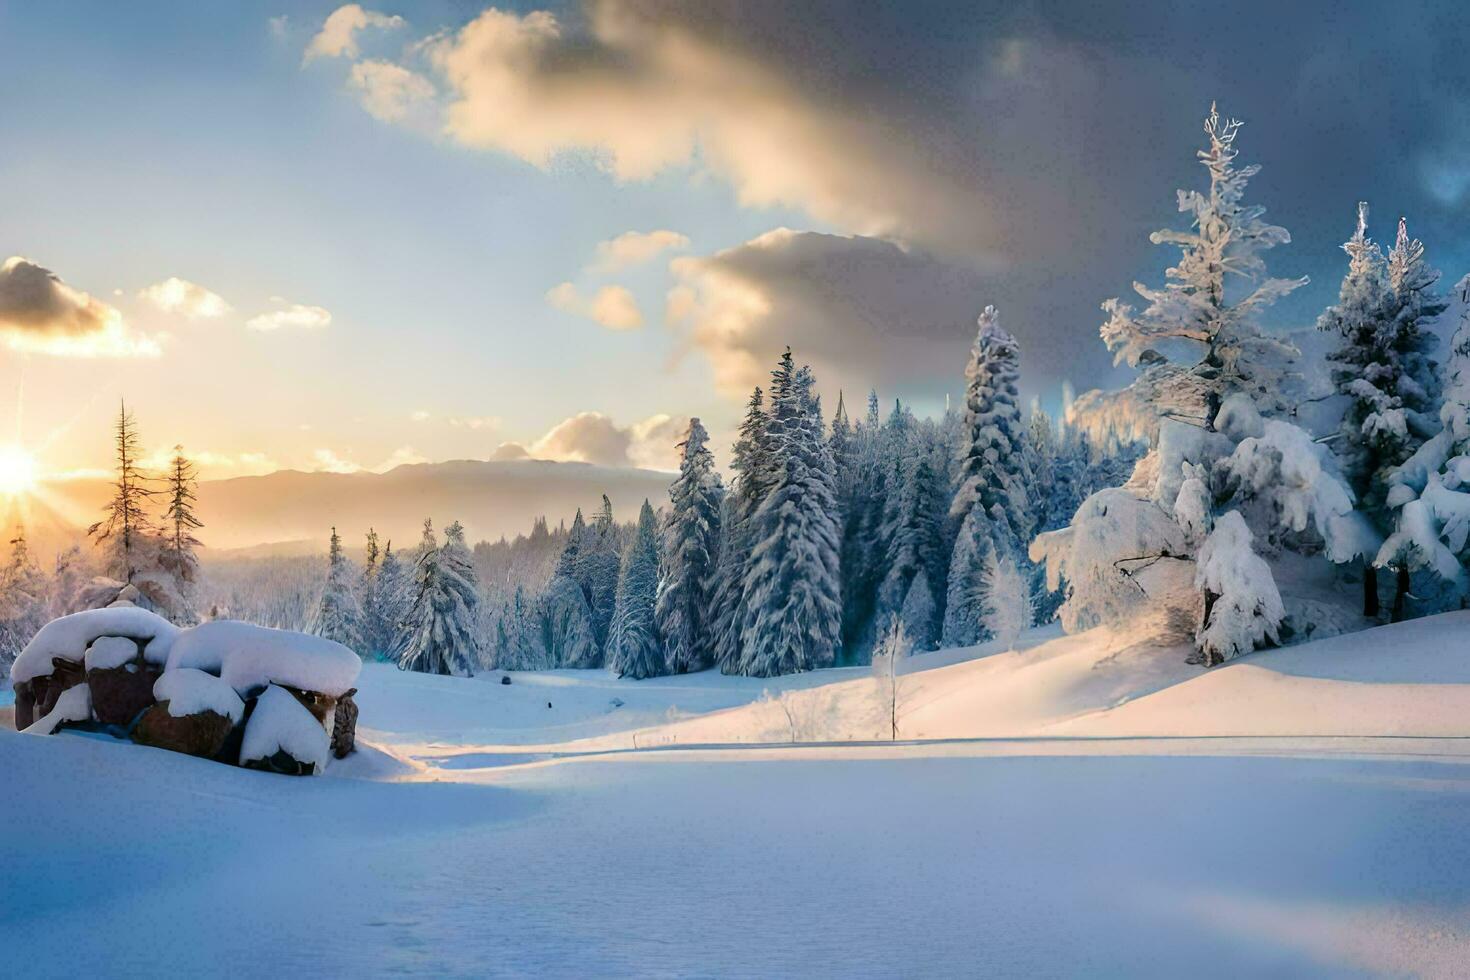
(316, 236)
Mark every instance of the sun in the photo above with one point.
(17, 471)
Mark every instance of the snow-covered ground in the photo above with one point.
(1088, 805)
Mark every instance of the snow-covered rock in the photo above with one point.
(283, 736)
(70, 636)
(250, 657)
(189, 691)
(73, 705)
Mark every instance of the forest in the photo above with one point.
(1232, 494)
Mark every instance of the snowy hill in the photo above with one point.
(1298, 820)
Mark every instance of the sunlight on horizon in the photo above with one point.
(19, 471)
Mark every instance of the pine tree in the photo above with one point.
(863, 502)
(440, 624)
(691, 547)
(338, 615)
(1195, 308)
(371, 614)
(127, 528)
(991, 504)
(633, 646)
(915, 540)
(791, 606)
(751, 467)
(566, 623)
(22, 601)
(390, 604)
(597, 572)
(176, 555)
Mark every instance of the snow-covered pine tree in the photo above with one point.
(1383, 368)
(391, 602)
(439, 634)
(369, 606)
(597, 572)
(915, 539)
(22, 601)
(791, 604)
(1196, 307)
(991, 504)
(691, 554)
(862, 502)
(750, 462)
(338, 615)
(176, 555)
(1007, 605)
(127, 529)
(633, 645)
(566, 623)
(1242, 608)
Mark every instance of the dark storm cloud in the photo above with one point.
(1040, 142)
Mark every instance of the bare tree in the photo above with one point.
(894, 647)
(127, 524)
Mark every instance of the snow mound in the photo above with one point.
(189, 691)
(250, 657)
(74, 704)
(109, 652)
(70, 636)
(281, 723)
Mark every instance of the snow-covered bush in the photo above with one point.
(1242, 608)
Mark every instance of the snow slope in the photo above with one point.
(1250, 820)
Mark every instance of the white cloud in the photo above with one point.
(612, 306)
(338, 36)
(862, 311)
(644, 88)
(420, 416)
(295, 315)
(391, 92)
(509, 451)
(592, 437)
(185, 298)
(41, 314)
(327, 461)
(279, 26)
(636, 247)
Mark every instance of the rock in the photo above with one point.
(284, 763)
(505, 679)
(48, 687)
(203, 734)
(120, 694)
(25, 705)
(344, 730)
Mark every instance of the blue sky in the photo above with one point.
(927, 158)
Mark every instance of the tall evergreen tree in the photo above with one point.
(566, 624)
(991, 505)
(440, 624)
(22, 601)
(791, 603)
(338, 615)
(634, 648)
(597, 572)
(1382, 367)
(749, 462)
(391, 600)
(862, 503)
(915, 540)
(691, 547)
(127, 529)
(1195, 309)
(176, 555)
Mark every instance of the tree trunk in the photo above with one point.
(1370, 588)
(1400, 593)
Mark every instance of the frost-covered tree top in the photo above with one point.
(1201, 306)
(1382, 364)
(994, 471)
